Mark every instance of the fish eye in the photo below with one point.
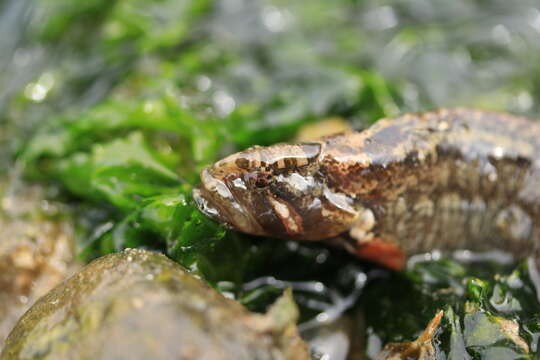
(260, 183)
(242, 163)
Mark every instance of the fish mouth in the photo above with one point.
(217, 201)
(208, 207)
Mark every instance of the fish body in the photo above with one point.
(448, 179)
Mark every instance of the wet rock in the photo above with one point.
(334, 340)
(141, 305)
(36, 252)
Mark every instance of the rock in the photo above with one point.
(36, 252)
(141, 305)
(332, 340)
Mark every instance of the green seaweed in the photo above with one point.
(141, 95)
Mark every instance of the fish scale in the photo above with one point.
(447, 179)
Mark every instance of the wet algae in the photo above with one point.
(117, 105)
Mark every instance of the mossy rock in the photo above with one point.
(141, 305)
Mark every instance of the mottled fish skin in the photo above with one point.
(447, 179)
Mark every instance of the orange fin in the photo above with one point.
(386, 253)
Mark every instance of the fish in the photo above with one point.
(446, 179)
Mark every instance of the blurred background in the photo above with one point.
(114, 106)
(315, 58)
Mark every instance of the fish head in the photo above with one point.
(278, 191)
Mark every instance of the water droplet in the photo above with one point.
(498, 152)
(148, 107)
(321, 258)
(35, 92)
(318, 287)
(500, 34)
(322, 317)
(273, 19)
(203, 83)
(224, 103)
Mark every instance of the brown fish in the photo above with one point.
(448, 179)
